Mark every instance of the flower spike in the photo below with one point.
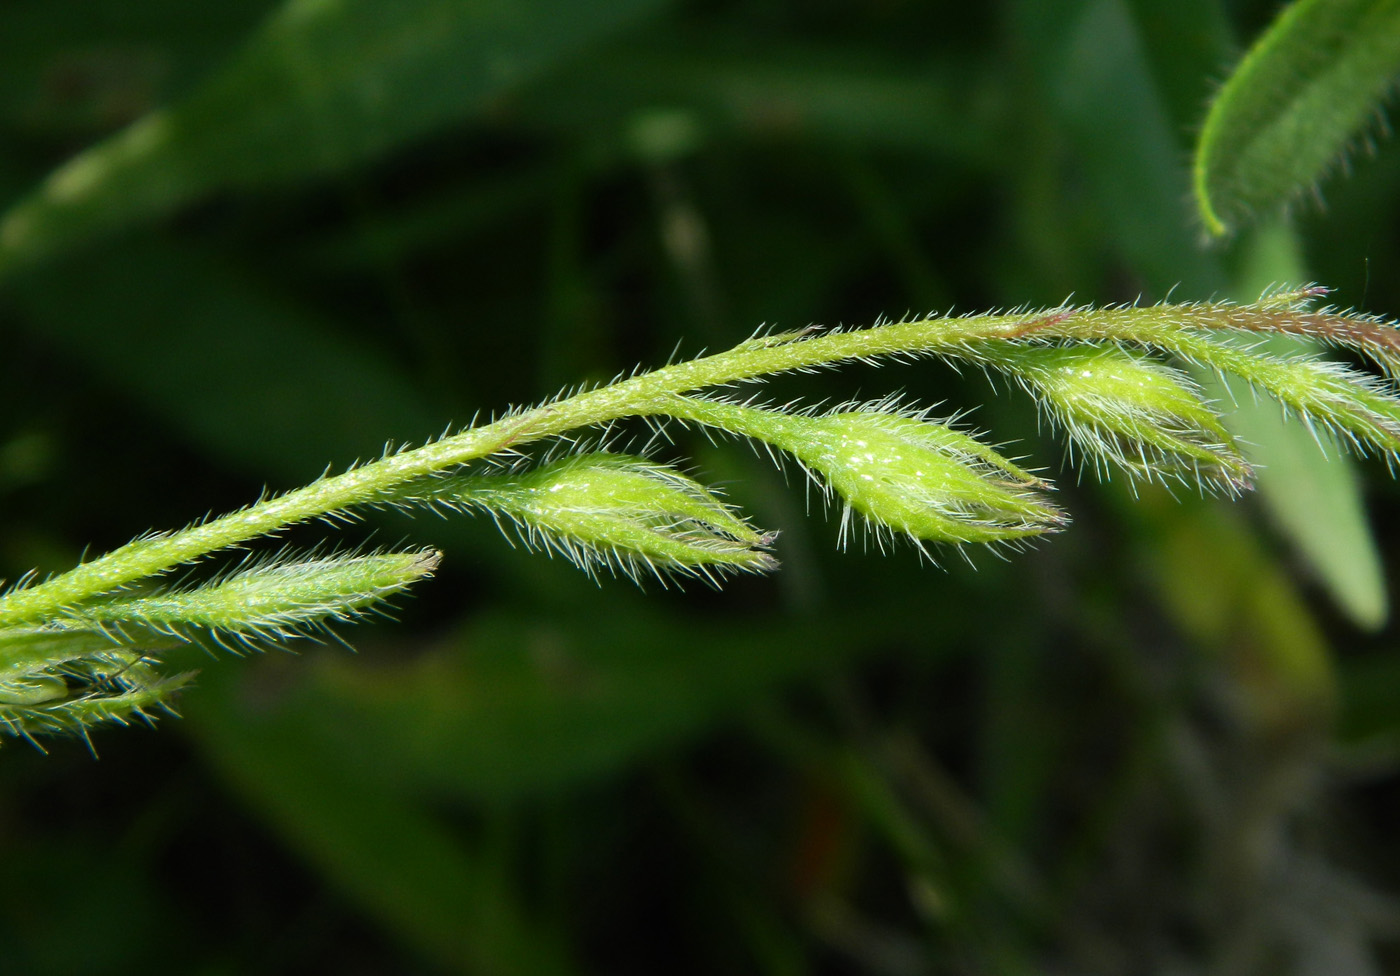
(83, 646)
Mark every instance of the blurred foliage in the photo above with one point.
(1154, 744)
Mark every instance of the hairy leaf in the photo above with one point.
(1295, 106)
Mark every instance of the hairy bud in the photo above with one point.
(618, 511)
(1129, 411)
(274, 598)
(905, 474)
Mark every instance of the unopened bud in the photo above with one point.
(902, 472)
(272, 598)
(619, 511)
(920, 478)
(1129, 411)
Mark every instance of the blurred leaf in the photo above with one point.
(248, 376)
(446, 897)
(788, 91)
(1311, 491)
(1300, 98)
(1226, 593)
(524, 703)
(1187, 42)
(322, 87)
(346, 758)
(1371, 702)
(84, 67)
(394, 234)
(1103, 92)
(111, 922)
(1306, 481)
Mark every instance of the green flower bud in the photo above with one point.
(617, 511)
(1360, 410)
(920, 478)
(271, 599)
(903, 473)
(1130, 411)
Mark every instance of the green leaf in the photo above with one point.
(322, 87)
(1312, 495)
(1302, 96)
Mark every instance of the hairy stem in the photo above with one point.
(646, 394)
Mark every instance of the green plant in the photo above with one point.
(1295, 108)
(81, 647)
(240, 239)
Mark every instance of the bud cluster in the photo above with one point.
(82, 647)
(96, 662)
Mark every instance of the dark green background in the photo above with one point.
(1151, 741)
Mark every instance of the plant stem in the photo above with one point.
(646, 394)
